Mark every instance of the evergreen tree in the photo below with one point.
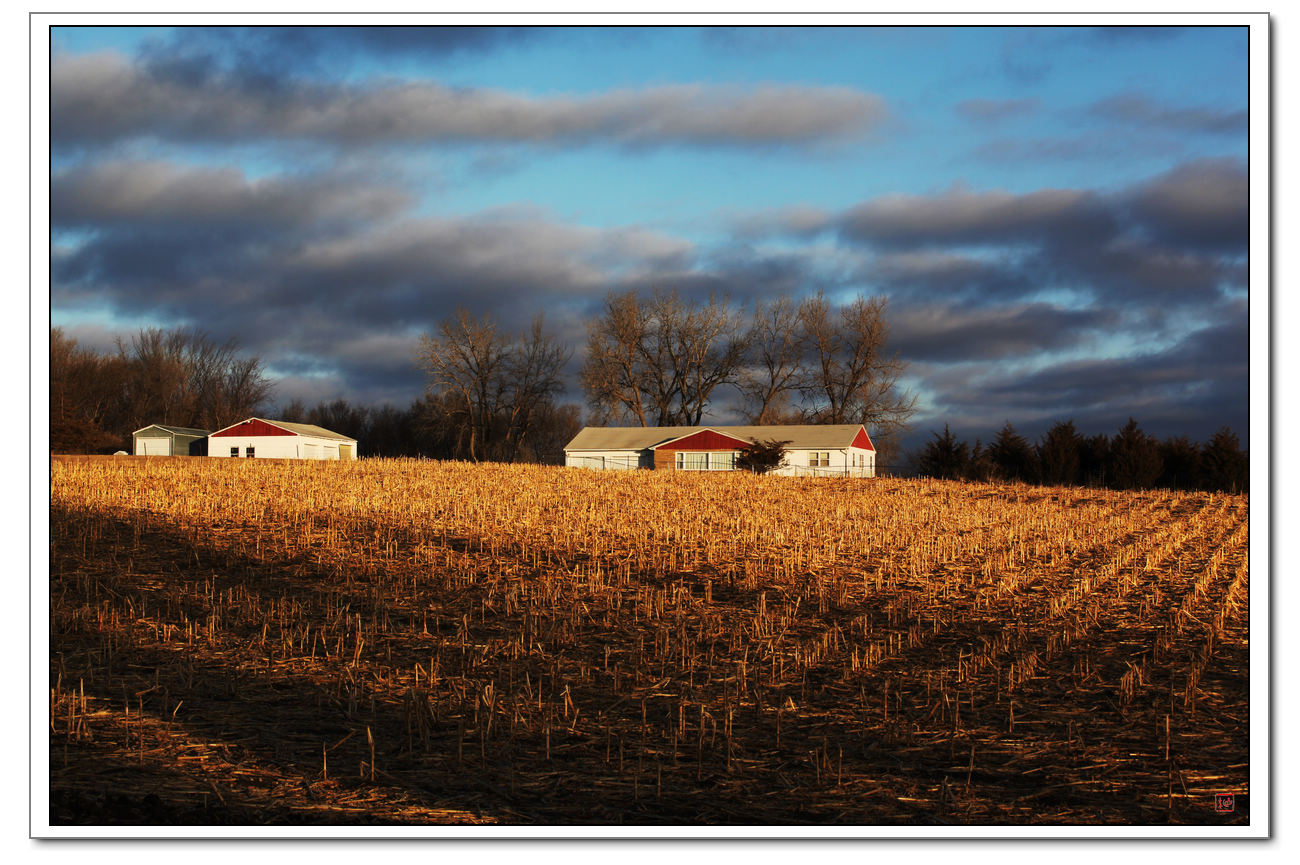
(945, 457)
(1180, 459)
(762, 457)
(1135, 459)
(1094, 460)
(1224, 467)
(980, 466)
(1058, 454)
(1012, 456)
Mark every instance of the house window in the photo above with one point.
(248, 451)
(819, 458)
(691, 461)
(234, 452)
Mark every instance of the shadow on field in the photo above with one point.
(194, 684)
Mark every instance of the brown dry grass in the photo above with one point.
(417, 642)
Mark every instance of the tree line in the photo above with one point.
(1129, 460)
(663, 359)
(179, 377)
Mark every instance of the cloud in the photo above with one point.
(1191, 388)
(1200, 204)
(142, 194)
(797, 220)
(963, 216)
(96, 99)
(295, 46)
(1064, 148)
(929, 273)
(1139, 110)
(951, 333)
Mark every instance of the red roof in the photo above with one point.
(252, 427)
(706, 440)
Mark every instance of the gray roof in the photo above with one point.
(178, 430)
(307, 429)
(594, 438)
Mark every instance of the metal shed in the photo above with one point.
(169, 441)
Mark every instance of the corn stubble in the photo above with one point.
(397, 641)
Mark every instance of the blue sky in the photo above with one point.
(1058, 215)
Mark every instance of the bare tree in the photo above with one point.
(774, 366)
(468, 357)
(852, 379)
(501, 380)
(660, 359)
(183, 377)
(534, 380)
(614, 373)
(87, 412)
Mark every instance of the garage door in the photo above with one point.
(153, 446)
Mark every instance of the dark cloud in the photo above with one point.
(1197, 205)
(950, 333)
(143, 194)
(929, 274)
(965, 217)
(1139, 110)
(102, 98)
(270, 54)
(1191, 388)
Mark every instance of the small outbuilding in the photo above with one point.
(278, 439)
(839, 450)
(162, 440)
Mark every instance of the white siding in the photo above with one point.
(278, 447)
(629, 459)
(840, 463)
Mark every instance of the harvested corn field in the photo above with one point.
(410, 642)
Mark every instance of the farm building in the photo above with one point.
(831, 449)
(169, 441)
(277, 439)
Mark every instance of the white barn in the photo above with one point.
(169, 441)
(277, 439)
(834, 450)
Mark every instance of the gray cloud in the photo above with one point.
(104, 97)
(1192, 388)
(932, 273)
(1198, 204)
(798, 220)
(962, 216)
(1071, 148)
(141, 194)
(1140, 110)
(946, 332)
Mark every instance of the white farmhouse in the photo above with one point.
(169, 441)
(277, 439)
(839, 450)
